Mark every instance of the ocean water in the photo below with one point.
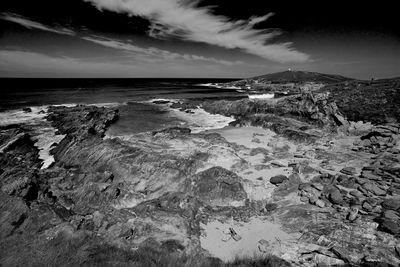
(18, 93)
(133, 97)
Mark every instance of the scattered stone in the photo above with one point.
(303, 186)
(160, 102)
(320, 203)
(372, 201)
(352, 214)
(391, 214)
(271, 206)
(371, 176)
(349, 170)
(367, 207)
(278, 163)
(373, 188)
(356, 193)
(318, 186)
(335, 196)
(278, 179)
(234, 235)
(390, 226)
(391, 204)
(397, 249)
(304, 199)
(263, 246)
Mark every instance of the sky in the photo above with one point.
(197, 39)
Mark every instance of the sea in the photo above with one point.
(134, 99)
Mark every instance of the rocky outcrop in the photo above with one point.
(295, 117)
(218, 187)
(19, 163)
(153, 191)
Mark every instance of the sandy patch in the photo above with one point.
(257, 238)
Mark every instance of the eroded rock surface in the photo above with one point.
(331, 193)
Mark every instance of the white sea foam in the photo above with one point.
(45, 137)
(220, 86)
(21, 117)
(199, 120)
(109, 105)
(167, 100)
(42, 133)
(262, 96)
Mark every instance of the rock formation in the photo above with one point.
(331, 184)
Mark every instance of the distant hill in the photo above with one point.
(301, 76)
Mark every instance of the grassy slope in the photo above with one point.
(302, 76)
(377, 101)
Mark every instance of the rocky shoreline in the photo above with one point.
(331, 185)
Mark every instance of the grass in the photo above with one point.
(87, 250)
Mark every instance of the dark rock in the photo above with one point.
(391, 214)
(161, 102)
(304, 185)
(371, 176)
(373, 188)
(335, 196)
(394, 191)
(349, 170)
(367, 207)
(278, 179)
(391, 204)
(271, 206)
(27, 110)
(373, 201)
(356, 193)
(390, 226)
(318, 186)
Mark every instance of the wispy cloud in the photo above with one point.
(154, 54)
(184, 19)
(256, 20)
(30, 24)
(149, 54)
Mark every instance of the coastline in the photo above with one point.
(190, 187)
